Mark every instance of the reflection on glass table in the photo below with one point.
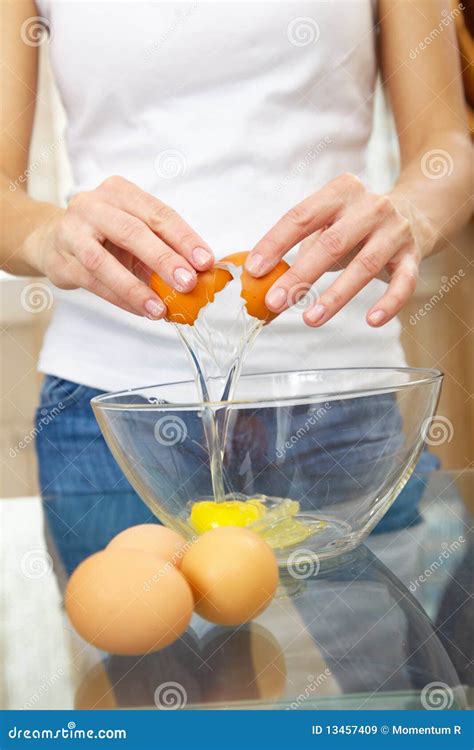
(384, 627)
(351, 637)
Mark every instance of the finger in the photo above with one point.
(92, 284)
(132, 234)
(109, 273)
(74, 276)
(130, 262)
(330, 247)
(401, 287)
(160, 218)
(311, 214)
(307, 245)
(301, 221)
(367, 265)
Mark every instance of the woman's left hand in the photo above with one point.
(344, 225)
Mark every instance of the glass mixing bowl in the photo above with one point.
(318, 456)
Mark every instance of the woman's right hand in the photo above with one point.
(110, 239)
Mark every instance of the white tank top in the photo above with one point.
(231, 113)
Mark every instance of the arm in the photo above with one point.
(18, 81)
(428, 105)
(108, 239)
(344, 224)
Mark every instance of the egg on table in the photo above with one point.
(151, 537)
(233, 575)
(127, 601)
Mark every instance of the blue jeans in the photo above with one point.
(87, 499)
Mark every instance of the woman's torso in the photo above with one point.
(231, 113)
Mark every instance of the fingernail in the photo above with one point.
(154, 308)
(377, 317)
(254, 263)
(201, 256)
(183, 278)
(276, 298)
(315, 313)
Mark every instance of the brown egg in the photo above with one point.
(233, 575)
(185, 307)
(128, 602)
(254, 290)
(150, 537)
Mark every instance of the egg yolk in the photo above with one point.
(184, 307)
(254, 290)
(207, 514)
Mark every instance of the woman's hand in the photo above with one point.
(344, 225)
(110, 239)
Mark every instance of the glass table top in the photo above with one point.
(385, 627)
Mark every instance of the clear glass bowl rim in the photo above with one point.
(422, 376)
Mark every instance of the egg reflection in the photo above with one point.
(247, 664)
(134, 682)
(226, 666)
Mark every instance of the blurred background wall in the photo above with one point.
(438, 324)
